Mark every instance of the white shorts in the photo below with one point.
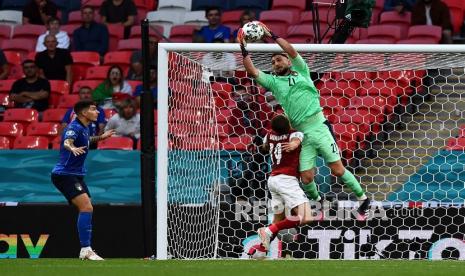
(285, 192)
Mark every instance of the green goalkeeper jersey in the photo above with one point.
(295, 92)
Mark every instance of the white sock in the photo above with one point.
(86, 248)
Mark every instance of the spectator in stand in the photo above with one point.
(126, 122)
(53, 27)
(246, 17)
(214, 30)
(4, 67)
(113, 90)
(31, 91)
(153, 52)
(399, 6)
(91, 36)
(38, 12)
(54, 63)
(222, 65)
(433, 12)
(153, 87)
(95, 128)
(119, 12)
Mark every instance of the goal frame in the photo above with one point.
(163, 83)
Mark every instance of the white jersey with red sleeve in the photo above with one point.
(284, 162)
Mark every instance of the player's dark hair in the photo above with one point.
(85, 7)
(280, 54)
(28, 61)
(213, 8)
(280, 124)
(82, 105)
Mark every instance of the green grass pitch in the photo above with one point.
(133, 267)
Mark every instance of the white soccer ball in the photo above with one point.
(256, 252)
(253, 31)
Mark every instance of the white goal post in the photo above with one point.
(204, 206)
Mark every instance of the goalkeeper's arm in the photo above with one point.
(248, 63)
(286, 46)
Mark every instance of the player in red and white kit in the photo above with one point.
(284, 145)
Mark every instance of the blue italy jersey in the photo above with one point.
(68, 163)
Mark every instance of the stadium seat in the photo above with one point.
(5, 31)
(28, 31)
(239, 143)
(295, 5)
(116, 143)
(68, 101)
(58, 88)
(91, 83)
(70, 28)
(134, 84)
(418, 40)
(395, 19)
(97, 72)
(179, 5)
(24, 116)
(11, 16)
(154, 30)
(109, 113)
(456, 144)
(13, 4)
(182, 33)
(5, 86)
(74, 18)
(387, 32)
(282, 16)
(4, 143)
(93, 3)
(247, 4)
(166, 19)
(425, 31)
(44, 129)
(21, 45)
(231, 17)
(56, 143)
(83, 61)
(11, 130)
(116, 32)
(300, 34)
(131, 44)
(53, 115)
(141, 15)
(120, 58)
(457, 10)
(195, 18)
(342, 88)
(4, 103)
(30, 142)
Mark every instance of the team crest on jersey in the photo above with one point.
(78, 186)
(70, 133)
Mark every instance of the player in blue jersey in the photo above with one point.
(68, 173)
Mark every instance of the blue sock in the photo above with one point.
(84, 225)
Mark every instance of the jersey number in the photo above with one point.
(276, 152)
(334, 146)
(291, 81)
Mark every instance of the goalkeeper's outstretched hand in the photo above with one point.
(241, 37)
(268, 32)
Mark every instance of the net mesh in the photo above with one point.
(398, 121)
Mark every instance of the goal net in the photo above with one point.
(397, 114)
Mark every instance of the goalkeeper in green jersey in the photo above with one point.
(292, 87)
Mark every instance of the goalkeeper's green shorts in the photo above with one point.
(318, 140)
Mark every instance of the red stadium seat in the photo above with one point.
(75, 18)
(30, 142)
(239, 143)
(116, 143)
(93, 3)
(342, 88)
(418, 40)
(83, 61)
(279, 16)
(58, 89)
(70, 28)
(182, 33)
(154, 30)
(21, 45)
(387, 32)
(5, 102)
(5, 86)
(120, 58)
(97, 72)
(456, 144)
(396, 19)
(134, 84)
(28, 31)
(11, 130)
(456, 15)
(24, 116)
(4, 143)
(131, 44)
(54, 115)
(425, 31)
(109, 113)
(5, 32)
(90, 83)
(14, 61)
(116, 32)
(68, 101)
(45, 129)
(300, 34)
(295, 5)
(231, 17)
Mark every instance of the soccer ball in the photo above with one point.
(253, 31)
(256, 252)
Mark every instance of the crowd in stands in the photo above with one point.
(64, 54)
